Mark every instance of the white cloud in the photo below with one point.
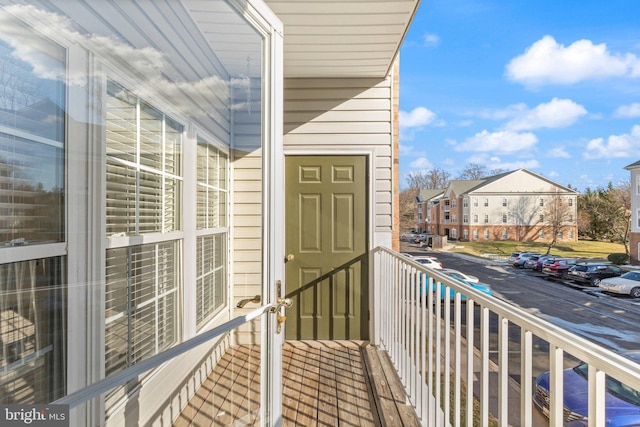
(548, 62)
(628, 111)
(431, 40)
(616, 146)
(495, 162)
(417, 117)
(558, 152)
(421, 163)
(502, 142)
(558, 113)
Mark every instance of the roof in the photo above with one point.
(426, 195)
(461, 186)
(346, 38)
(635, 165)
(489, 180)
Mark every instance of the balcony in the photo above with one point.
(442, 354)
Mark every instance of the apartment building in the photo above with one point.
(634, 235)
(517, 205)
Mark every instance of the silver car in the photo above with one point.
(627, 284)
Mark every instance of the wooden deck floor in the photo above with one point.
(325, 383)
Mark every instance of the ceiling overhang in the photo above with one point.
(342, 38)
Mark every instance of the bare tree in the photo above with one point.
(557, 214)
(473, 171)
(407, 207)
(428, 179)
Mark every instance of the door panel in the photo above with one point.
(326, 232)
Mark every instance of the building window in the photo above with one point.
(541, 233)
(486, 202)
(486, 218)
(541, 202)
(465, 234)
(504, 218)
(570, 202)
(212, 221)
(465, 203)
(33, 305)
(144, 154)
(560, 234)
(486, 234)
(638, 185)
(454, 219)
(32, 145)
(571, 234)
(454, 233)
(454, 203)
(475, 234)
(465, 218)
(475, 201)
(33, 291)
(504, 201)
(541, 218)
(504, 234)
(638, 217)
(144, 182)
(141, 303)
(475, 218)
(570, 218)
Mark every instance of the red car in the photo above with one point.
(558, 267)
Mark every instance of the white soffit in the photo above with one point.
(342, 38)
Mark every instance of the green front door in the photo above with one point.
(326, 243)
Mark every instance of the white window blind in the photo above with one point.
(144, 180)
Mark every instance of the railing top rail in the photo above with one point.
(102, 386)
(595, 355)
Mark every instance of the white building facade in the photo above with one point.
(634, 235)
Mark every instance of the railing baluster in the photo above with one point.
(458, 358)
(526, 373)
(556, 386)
(484, 368)
(503, 371)
(470, 360)
(596, 397)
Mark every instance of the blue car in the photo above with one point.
(622, 403)
(478, 286)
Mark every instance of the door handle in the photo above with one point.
(245, 301)
(289, 257)
(280, 318)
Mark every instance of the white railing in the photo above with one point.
(473, 341)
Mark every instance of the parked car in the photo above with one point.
(622, 403)
(429, 261)
(592, 273)
(478, 286)
(627, 284)
(536, 263)
(514, 256)
(522, 258)
(460, 275)
(558, 267)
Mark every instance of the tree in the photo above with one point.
(474, 171)
(428, 179)
(407, 208)
(605, 213)
(557, 213)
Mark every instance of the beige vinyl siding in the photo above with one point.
(350, 115)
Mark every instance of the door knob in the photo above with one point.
(289, 257)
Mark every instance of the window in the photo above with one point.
(454, 218)
(638, 185)
(32, 145)
(141, 303)
(486, 234)
(638, 217)
(571, 234)
(504, 201)
(475, 202)
(465, 203)
(211, 243)
(144, 181)
(570, 202)
(475, 218)
(465, 234)
(486, 202)
(504, 234)
(541, 218)
(475, 234)
(143, 178)
(560, 234)
(33, 291)
(486, 219)
(454, 203)
(454, 233)
(465, 218)
(504, 218)
(541, 233)
(541, 202)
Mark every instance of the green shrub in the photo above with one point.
(618, 259)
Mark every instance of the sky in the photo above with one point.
(552, 86)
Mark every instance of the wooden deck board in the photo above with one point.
(325, 383)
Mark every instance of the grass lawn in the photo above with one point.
(579, 249)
